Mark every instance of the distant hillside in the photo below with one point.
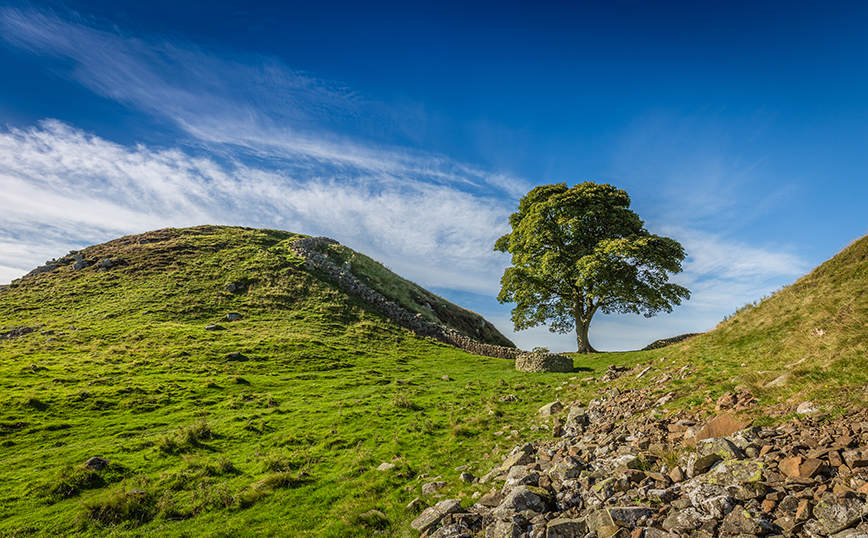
(223, 266)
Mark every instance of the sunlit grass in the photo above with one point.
(287, 442)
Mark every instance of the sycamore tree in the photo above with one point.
(580, 250)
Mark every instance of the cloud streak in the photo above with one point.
(238, 104)
(61, 175)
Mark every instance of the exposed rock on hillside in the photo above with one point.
(604, 478)
(663, 342)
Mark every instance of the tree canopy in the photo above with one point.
(579, 250)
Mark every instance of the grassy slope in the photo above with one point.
(282, 444)
(815, 329)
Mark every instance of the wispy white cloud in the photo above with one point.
(56, 177)
(240, 104)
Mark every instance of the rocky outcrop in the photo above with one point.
(77, 261)
(663, 342)
(543, 362)
(310, 250)
(616, 470)
(15, 332)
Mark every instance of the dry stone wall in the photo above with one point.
(310, 249)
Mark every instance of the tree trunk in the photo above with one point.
(583, 323)
(582, 337)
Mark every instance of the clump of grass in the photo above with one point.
(249, 497)
(283, 480)
(402, 401)
(207, 467)
(282, 463)
(460, 431)
(35, 403)
(372, 519)
(211, 496)
(186, 438)
(210, 384)
(135, 506)
(70, 481)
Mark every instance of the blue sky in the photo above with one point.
(409, 131)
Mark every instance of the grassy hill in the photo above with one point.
(808, 341)
(272, 426)
(275, 425)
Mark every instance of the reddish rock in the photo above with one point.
(634, 475)
(790, 466)
(721, 426)
(810, 467)
(727, 401)
(856, 458)
(803, 512)
(841, 490)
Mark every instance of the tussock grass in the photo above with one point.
(186, 438)
(134, 506)
(403, 401)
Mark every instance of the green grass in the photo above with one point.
(815, 331)
(286, 443)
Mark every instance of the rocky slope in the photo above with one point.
(619, 467)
